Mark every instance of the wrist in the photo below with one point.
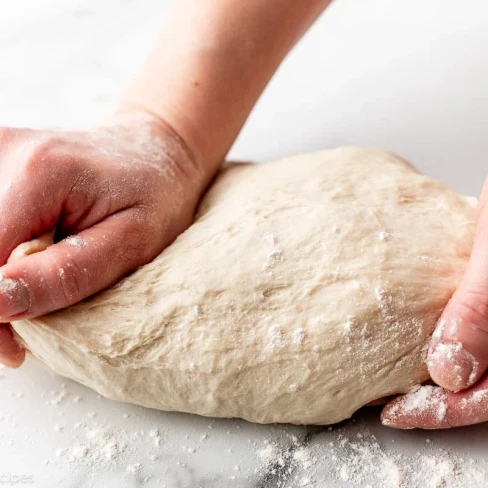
(186, 157)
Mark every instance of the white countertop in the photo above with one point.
(408, 75)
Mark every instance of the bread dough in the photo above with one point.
(305, 289)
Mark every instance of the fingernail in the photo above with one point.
(451, 366)
(395, 423)
(14, 297)
(391, 416)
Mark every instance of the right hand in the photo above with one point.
(126, 191)
(458, 352)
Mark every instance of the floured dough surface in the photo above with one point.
(305, 289)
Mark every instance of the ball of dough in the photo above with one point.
(305, 289)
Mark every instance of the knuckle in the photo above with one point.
(37, 156)
(474, 307)
(71, 282)
(68, 282)
(50, 156)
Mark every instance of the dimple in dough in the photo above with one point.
(305, 289)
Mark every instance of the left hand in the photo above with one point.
(116, 195)
(458, 352)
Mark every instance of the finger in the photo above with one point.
(11, 353)
(458, 354)
(31, 194)
(432, 407)
(74, 268)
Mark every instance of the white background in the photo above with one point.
(411, 76)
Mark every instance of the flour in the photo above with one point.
(8, 286)
(347, 327)
(275, 253)
(276, 337)
(353, 456)
(298, 336)
(453, 352)
(57, 397)
(134, 468)
(76, 242)
(426, 400)
(479, 396)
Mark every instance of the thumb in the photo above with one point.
(458, 354)
(73, 268)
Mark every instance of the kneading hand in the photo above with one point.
(116, 195)
(126, 191)
(458, 354)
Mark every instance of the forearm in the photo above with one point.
(210, 64)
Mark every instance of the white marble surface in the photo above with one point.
(408, 75)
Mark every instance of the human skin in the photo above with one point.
(458, 354)
(129, 188)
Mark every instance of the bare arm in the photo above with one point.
(211, 63)
(126, 200)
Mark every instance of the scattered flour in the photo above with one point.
(275, 337)
(275, 253)
(196, 311)
(479, 396)
(475, 399)
(76, 242)
(348, 455)
(298, 336)
(347, 326)
(354, 457)
(426, 400)
(454, 351)
(8, 286)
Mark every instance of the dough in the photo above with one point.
(305, 289)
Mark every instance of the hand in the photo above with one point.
(433, 407)
(122, 192)
(458, 352)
